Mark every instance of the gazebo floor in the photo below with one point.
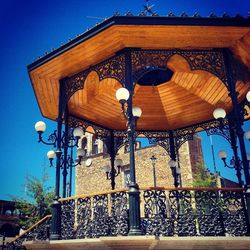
(145, 242)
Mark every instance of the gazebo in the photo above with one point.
(179, 71)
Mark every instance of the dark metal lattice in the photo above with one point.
(119, 214)
(39, 232)
(209, 214)
(67, 219)
(84, 219)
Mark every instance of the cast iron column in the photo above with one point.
(70, 171)
(134, 194)
(65, 153)
(112, 160)
(237, 115)
(234, 148)
(55, 229)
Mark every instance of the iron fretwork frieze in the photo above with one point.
(155, 137)
(100, 132)
(211, 61)
(143, 61)
(67, 219)
(113, 67)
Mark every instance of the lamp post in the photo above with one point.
(67, 141)
(234, 164)
(57, 141)
(112, 174)
(219, 114)
(176, 172)
(153, 160)
(131, 114)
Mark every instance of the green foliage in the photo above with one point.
(38, 204)
(202, 178)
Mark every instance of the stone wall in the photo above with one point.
(92, 179)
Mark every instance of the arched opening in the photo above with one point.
(156, 76)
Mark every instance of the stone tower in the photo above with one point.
(91, 178)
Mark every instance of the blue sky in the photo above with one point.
(31, 28)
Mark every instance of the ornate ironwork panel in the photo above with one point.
(39, 232)
(75, 83)
(144, 61)
(212, 61)
(211, 128)
(67, 219)
(99, 132)
(119, 141)
(119, 214)
(208, 207)
(182, 212)
(157, 220)
(112, 68)
(100, 221)
(161, 141)
(233, 209)
(84, 218)
(208, 60)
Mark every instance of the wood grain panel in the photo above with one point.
(190, 97)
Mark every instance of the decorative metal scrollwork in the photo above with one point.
(233, 211)
(119, 141)
(99, 132)
(75, 83)
(67, 219)
(119, 214)
(182, 212)
(208, 60)
(84, 219)
(157, 220)
(209, 214)
(112, 68)
(144, 60)
(179, 141)
(39, 232)
(100, 222)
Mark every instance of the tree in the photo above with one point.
(202, 178)
(38, 205)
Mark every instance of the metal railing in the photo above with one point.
(164, 212)
(39, 231)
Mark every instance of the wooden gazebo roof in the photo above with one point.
(188, 98)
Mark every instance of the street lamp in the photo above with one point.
(235, 163)
(58, 141)
(219, 114)
(131, 114)
(107, 169)
(80, 153)
(176, 172)
(153, 160)
(66, 141)
(40, 128)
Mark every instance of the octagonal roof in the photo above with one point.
(189, 97)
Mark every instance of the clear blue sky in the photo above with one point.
(28, 30)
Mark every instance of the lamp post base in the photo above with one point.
(135, 232)
(55, 229)
(134, 210)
